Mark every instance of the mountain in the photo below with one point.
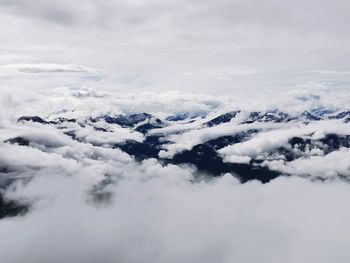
(208, 155)
(223, 118)
(257, 145)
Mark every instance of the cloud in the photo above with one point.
(278, 137)
(328, 166)
(49, 68)
(330, 72)
(225, 47)
(91, 202)
(158, 215)
(237, 159)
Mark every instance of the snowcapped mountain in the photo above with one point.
(203, 136)
(293, 138)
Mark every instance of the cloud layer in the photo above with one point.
(214, 47)
(91, 203)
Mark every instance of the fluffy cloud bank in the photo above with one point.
(157, 215)
(92, 202)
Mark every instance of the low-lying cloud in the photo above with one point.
(90, 202)
(157, 214)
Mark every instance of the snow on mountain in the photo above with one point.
(210, 136)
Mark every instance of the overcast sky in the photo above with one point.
(159, 45)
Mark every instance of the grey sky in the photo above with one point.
(230, 46)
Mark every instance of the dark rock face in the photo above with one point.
(130, 121)
(19, 141)
(37, 119)
(345, 115)
(184, 116)
(334, 142)
(140, 151)
(268, 116)
(178, 117)
(99, 195)
(62, 120)
(97, 129)
(310, 117)
(10, 208)
(207, 160)
(149, 148)
(124, 120)
(341, 115)
(32, 118)
(150, 125)
(321, 112)
(224, 118)
(71, 134)
(223, 141)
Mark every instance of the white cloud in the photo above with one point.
(151, 45)
(279, 136)
(49, 68)
(237, 159)
(327, 166)
(157, 213)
